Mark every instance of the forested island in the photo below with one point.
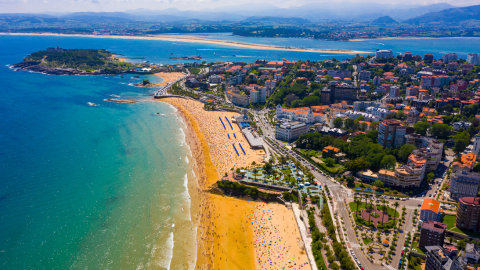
(60, 61)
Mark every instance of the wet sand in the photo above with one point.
(187, 38)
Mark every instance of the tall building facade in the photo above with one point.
(468, 214)
(391, 133)
(432, 233)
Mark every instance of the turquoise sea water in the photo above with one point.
(106, 187)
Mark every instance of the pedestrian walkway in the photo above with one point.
(306, 240)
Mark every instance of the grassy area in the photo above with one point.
(449, 220)
(416, 249)
(362, 205)
(367, 241)
(310, 152)
(286, 171)
(337, 168)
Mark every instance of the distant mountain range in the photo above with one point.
(312, 12)
(277, 20)
(452, 15)
(385, 20)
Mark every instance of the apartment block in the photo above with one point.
(468, 214)
(432, 233)
(391, 133)
(290, 131)
(438, 260)
(430, 210)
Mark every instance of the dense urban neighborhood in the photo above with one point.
(380, 151)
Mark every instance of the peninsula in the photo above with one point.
(58, 61)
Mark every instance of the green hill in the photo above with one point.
(452, 15)
(384, 20)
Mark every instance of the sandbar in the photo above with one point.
(188, 38)
(386, 38)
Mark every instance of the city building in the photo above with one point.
(448, 57)
(238, 99)
(391, 133)
(473, 58)
(428, 148)
(394, 91)
(364, 75)
(468, 214)
(215, 79)
(302, 114)
(476, 145)
(464, 182)
(406, 57)
(472, 254)
(290, 131)
(384, 53)
(344, 92)
(438, 260)
(432, 233)
(430, 210)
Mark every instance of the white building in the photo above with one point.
(394, 91)
(476, 145)
(448, 57)
(303, 114)
(378, 112)
(290, 131)
(473, 58)
(384, 53)
(355, 114)
(215, 79)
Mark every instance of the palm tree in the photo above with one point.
(255, 171)
(366, 198)
(371, 209)
(396, 204)
(383, 210)
(356, 201)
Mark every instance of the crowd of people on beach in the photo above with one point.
(272, 250)
(222, 152)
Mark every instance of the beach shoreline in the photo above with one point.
(229, 228)
(388, 38)
(193, 39)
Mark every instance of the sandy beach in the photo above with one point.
(168, 77)
(231, 230)
(386, 38)
(187, 38)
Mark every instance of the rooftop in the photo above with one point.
(431, 204)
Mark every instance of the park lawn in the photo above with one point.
(449, 220)
(367, 241)
(336, 168)
(310, 152)
(362, 205)
(416, 249)
(286, 171)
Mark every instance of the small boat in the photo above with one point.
(234, 55)
(91, 104)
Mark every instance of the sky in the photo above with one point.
(50, 6)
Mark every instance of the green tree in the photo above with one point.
(364, 126)
(396, 204)
(356, 201)
(421, 128)
(349, 123)
(350, 181)
(357, 164)
(388, 162)
(338, 123)
(405, 151)
(329, 162)
(462, 140)
(441, 131)
(378, 184)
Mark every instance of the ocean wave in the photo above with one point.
(187, 196)
(206, 49)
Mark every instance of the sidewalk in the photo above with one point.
(306, 240)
